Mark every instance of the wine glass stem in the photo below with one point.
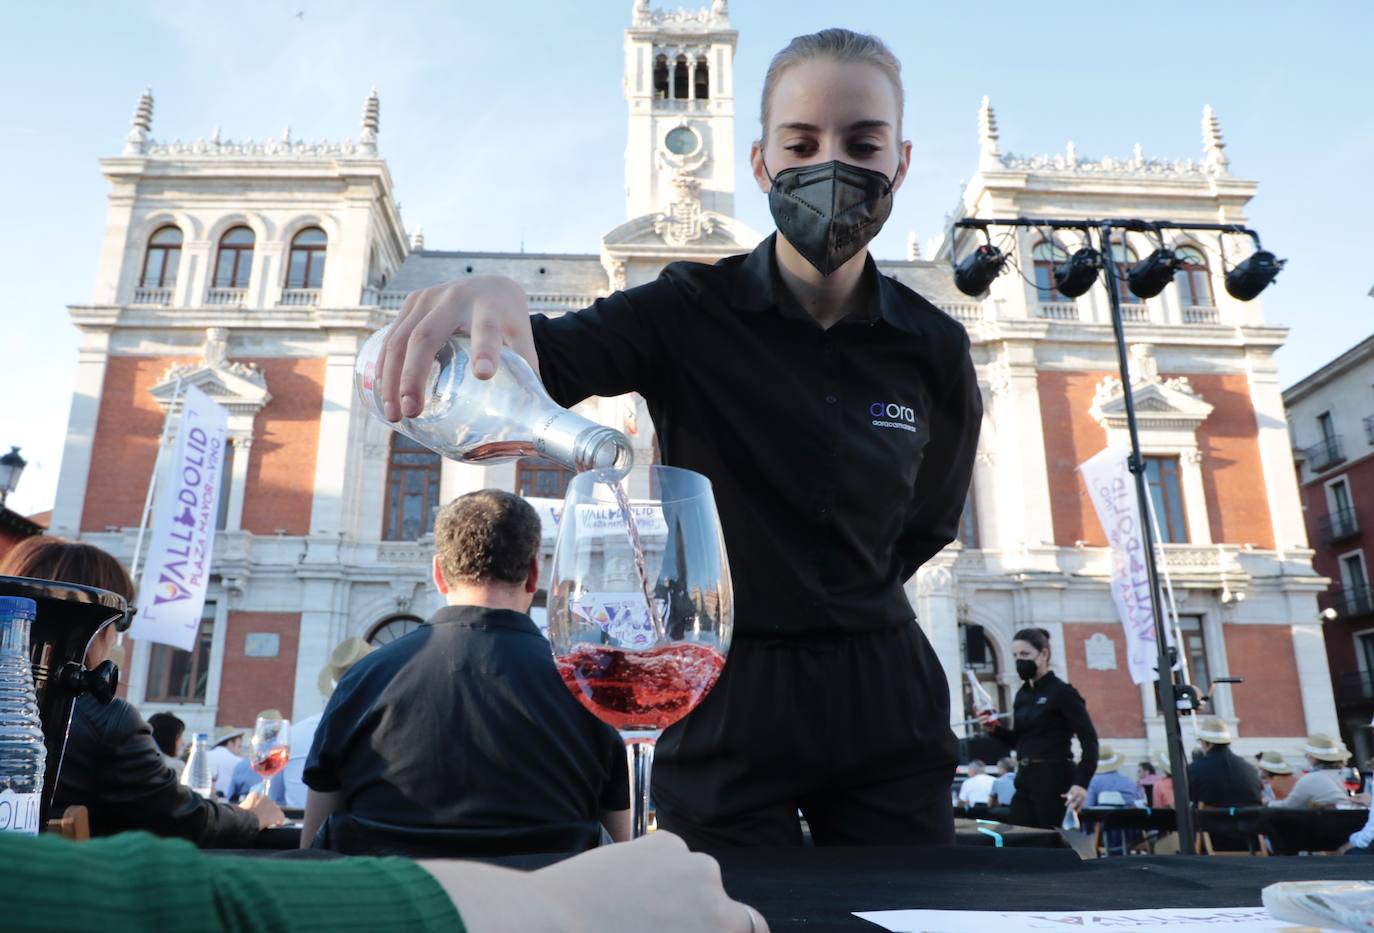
(639, 747)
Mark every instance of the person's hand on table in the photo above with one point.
(265, 809)
(652, 883)
(1076, 797)
(491, 309)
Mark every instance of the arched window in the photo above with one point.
(1044, 258)
(1123, 258)
(680, 78)
(703, 82)
(392, 628)
(661, 89)
(985, 670)
(305, 268)
(412, 490)
(1193, 280)
(162, 258)
(235, 258)
(541, 479)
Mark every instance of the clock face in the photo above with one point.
(681, 140)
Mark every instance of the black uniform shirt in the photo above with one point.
(1046, 716)
(465, 723)
(840, 458)
(1221, 778)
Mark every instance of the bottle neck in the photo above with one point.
(581, 444)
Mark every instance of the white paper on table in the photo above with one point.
(1246, 919)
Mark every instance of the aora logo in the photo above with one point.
(892, 412)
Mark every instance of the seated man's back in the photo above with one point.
(465, 722)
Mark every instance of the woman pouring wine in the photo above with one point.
(836, 413)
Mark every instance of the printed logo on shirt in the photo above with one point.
(892, 415)
(1042, 700)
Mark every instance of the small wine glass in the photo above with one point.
(270, 747)
(640, 611)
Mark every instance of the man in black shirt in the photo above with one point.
(1221, 778)
(461, 737)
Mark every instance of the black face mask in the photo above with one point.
(1026, 669)
(829, 212)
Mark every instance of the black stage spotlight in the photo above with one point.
(1251, 277)
(1149, 276)
(1076, 275)
(978, 269)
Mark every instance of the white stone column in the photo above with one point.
(1276, 454)
(193, 274)
(1314, 677)
(691, 77)
(266, 285)
(323, 623)
(1023, 516)
(76, 453)
(932, 593)
(331, 453)
(238, 478)
(1194, 497)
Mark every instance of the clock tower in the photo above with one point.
(679, 84)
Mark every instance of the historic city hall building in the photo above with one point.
(254, 270)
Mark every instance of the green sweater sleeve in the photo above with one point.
(135, 881)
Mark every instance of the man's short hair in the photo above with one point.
(488, 536)
(1007, 765)
(976, 767)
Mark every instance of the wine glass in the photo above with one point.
(270, 746)
(640, 611)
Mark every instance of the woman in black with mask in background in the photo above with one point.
(1046, 715)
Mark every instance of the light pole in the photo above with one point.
(11, 466)
(1147, 278)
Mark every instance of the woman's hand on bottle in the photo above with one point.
(1076, 797)
(988, 720)
(491, 309)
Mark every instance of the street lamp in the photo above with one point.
(1147, 279)
(11, 465)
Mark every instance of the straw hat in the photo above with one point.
(1107, 759)
(1273, 763)
(345, 654)
(1215, 731)
(270, 714)
(226, 733)
(1324, 748)
(1161, 760)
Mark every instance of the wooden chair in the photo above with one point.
(74, 824)
(1202, 843)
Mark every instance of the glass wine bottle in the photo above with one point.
(493, 420)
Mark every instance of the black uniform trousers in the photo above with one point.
(852, 729)
(1040, 789)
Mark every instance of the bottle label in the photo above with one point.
(555, 435)
(18, 813)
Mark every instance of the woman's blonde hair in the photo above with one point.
(840, 45)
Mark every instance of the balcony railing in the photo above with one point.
(297, 297)
(233, 297)
(1201, 314)
(966, 311)
(152, 296)
(1351, 602)
(1325, 455)
(1369, 428)
(1057, 310)
(1338, 525)
(1135, 313)
(391, 300)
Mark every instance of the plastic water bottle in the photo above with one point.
(493, 420)
(198, 775)
(22, 753)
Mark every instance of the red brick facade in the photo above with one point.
(1233, 476)
(1113, 699)
(1270, 700)
(247, 686)
(281, 473)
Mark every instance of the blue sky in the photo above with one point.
(503, 123)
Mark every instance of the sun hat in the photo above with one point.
(1324, 748)
(226, 733)
(1107, 759)
(345, 654)
(1161, 760)
(1215, 731)
(1273, 762)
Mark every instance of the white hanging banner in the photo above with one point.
(176, 571)
(1112, 489)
